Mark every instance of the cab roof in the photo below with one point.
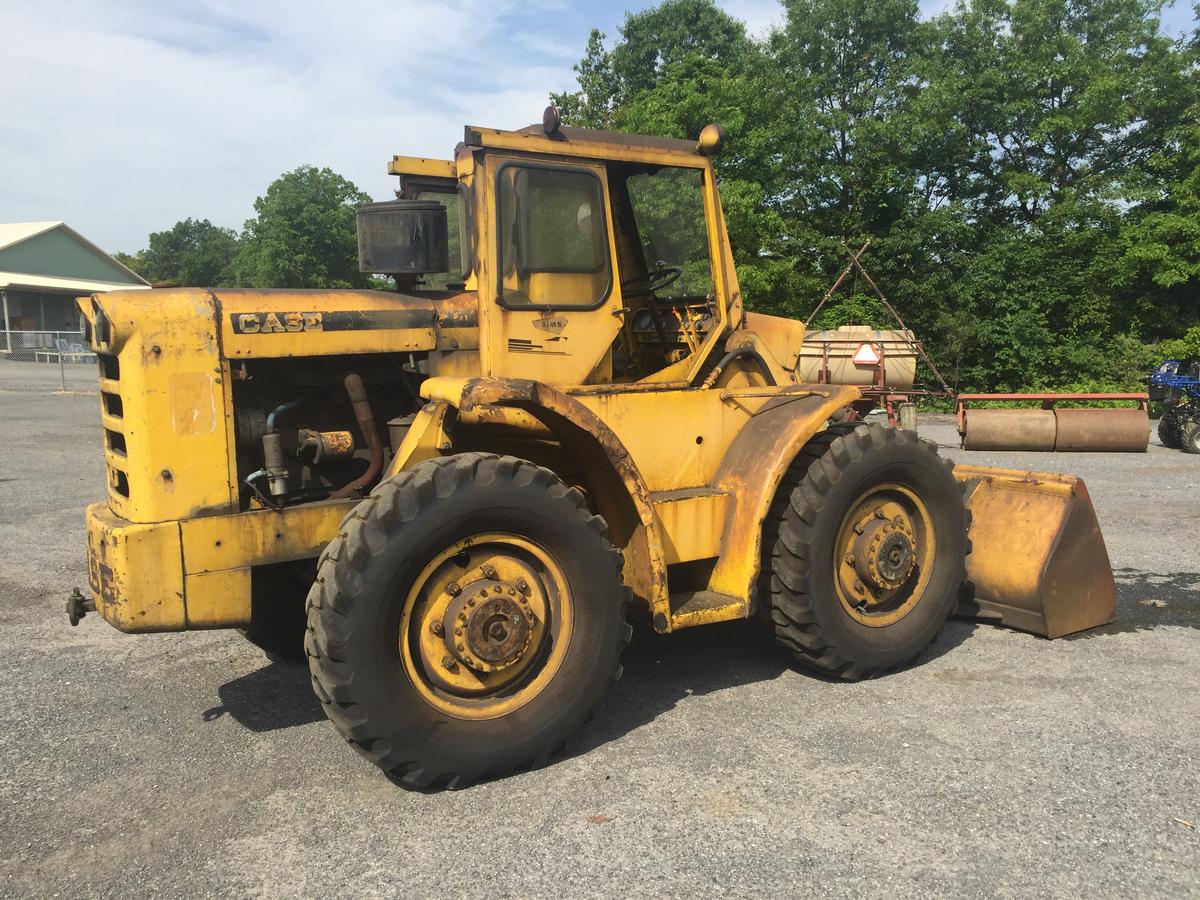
(590, 143)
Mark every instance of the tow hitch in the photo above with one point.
(79, 606)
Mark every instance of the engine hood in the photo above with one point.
(251, 324)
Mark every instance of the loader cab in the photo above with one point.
(595, 258)
(601, 258)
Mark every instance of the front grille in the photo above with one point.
(116, 442)
(112, 414)
(110, 366)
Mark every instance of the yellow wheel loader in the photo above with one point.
(561, 419)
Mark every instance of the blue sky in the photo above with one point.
(124, 116)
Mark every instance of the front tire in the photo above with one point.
(1168, 431)
(466, 620)
(867, 544)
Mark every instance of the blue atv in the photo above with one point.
(1176, 384)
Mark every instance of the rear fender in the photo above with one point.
(753, 468)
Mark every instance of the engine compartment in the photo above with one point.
(318, 428)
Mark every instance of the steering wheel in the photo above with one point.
(661, 277)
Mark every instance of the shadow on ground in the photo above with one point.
(659, 670)
(1147, 600)
(279, 695)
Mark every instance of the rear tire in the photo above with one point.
(277, 619)
(1189, 439)
(1168, 431)
(399, 661)
(857, 603)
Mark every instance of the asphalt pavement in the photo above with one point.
(1000, 765)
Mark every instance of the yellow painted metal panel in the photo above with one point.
(172, 388)
(677, 438)
(135, 572)
(753, 468)
(274, 324)
(419, 165)
(692, 523)
(193, 406)
(261, 536)
(218, 599)
(544, 147)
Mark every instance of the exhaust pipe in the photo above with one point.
(357, 392)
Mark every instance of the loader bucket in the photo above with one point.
(1038, 561)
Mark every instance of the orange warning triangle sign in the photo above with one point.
(867, 355)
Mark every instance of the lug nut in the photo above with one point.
(450, 664)
(453, 589)
(489, 572)
(849, 559)
(458, 632)
(471, 602)
(522, 585)
(436, 628)
(879, 513)
(858, 586)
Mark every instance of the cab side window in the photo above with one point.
(553, 238)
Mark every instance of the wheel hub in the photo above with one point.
(884, 553)
(489, 624)
(884, 550)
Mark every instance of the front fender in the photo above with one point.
(615, 483)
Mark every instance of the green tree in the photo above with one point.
(194, 252)
(304, 233)
(1026, 170)
(135, 261)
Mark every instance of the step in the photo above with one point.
(691, 608)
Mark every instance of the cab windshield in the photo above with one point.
(671, 256)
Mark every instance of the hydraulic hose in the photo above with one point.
(745, 350)
(279, 411)
(357, 392)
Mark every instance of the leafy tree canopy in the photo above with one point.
(194, 252)
(304, 233)
(1026, 170)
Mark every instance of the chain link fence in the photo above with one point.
(57, 347)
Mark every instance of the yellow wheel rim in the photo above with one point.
(486, 625)
(884, 555)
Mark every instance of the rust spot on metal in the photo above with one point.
(458, 311)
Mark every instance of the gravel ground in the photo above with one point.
(1001, 765)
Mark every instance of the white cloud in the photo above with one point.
(123, 118)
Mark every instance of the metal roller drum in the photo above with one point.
(1103, 430)
(1009, 429)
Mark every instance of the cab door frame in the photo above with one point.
(559, 344)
